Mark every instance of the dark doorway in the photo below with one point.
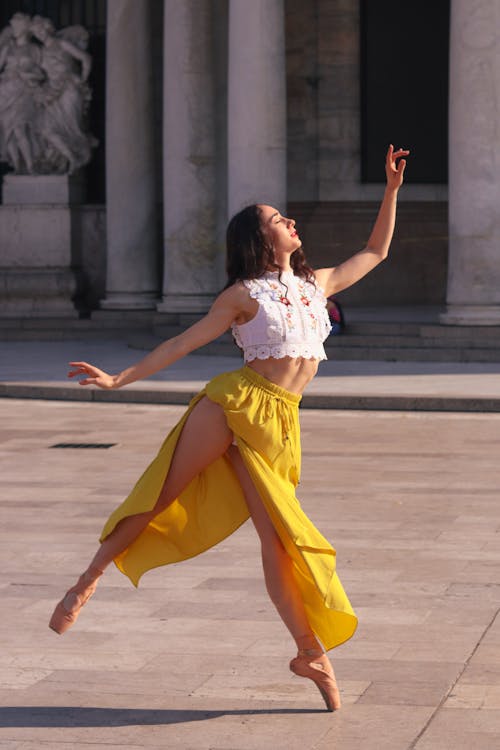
(404, 86)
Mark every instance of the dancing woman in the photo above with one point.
(197, 492)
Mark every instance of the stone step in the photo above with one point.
(134, 320)
(385, 340)
(359, 344)
(414, 354)
(435, 330)
(404, 342)
(84, 329)
(477, 333)
(385, 354)
(68, 335)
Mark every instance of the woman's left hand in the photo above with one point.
(95, 376)
(394, 171)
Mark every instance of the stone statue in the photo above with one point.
(44, 97)
(64, 96)
(20, 78)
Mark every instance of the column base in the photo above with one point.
(129, 301)
(187, 303)
(471, 315)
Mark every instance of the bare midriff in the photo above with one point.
(291, 373)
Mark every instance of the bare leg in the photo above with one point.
(284, 592)
(190, 457)
(277, 565)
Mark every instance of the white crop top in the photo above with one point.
(292, 320)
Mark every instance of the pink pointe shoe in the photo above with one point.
(314, 664)
(68, 609)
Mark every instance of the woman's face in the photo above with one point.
(279, 230)
(19, 25)
(41, 30)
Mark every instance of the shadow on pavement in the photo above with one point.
(76, 716)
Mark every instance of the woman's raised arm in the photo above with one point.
(353, 269)
(228, 305)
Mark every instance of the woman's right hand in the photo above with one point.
(96, 377)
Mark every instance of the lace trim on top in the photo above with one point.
(292, 320)
(278, 351)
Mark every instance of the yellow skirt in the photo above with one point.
(264, 420)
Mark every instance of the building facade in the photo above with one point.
(204, 106)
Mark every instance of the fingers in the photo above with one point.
(93, 375)
(395, 164)
(80, 371)
(82, 368)
(392, 155)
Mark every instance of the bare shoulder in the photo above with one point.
(237, 299)
(236, 296)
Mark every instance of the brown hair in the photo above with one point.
(249, 254)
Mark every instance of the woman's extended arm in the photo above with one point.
(223, 312)
(347, 273)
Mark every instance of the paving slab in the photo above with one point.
(196, 656)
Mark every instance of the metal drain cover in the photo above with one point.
(83, 445)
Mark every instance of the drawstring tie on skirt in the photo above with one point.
(276, 405)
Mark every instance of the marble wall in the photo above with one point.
(322, 51)
(323, 162)
(302, 70)
(414, 273)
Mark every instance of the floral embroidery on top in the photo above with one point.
(291, 321)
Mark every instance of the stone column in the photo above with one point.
(131, 282)
(473, 294)
(256, 104)
(189, 184)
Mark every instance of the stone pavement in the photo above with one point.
(38, 370)
(196, 658)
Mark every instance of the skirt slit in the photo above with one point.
(264, 420)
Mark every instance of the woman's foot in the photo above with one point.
(314, 664)
(68, 609)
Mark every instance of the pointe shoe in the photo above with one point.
(68, 609)
(315, 665)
